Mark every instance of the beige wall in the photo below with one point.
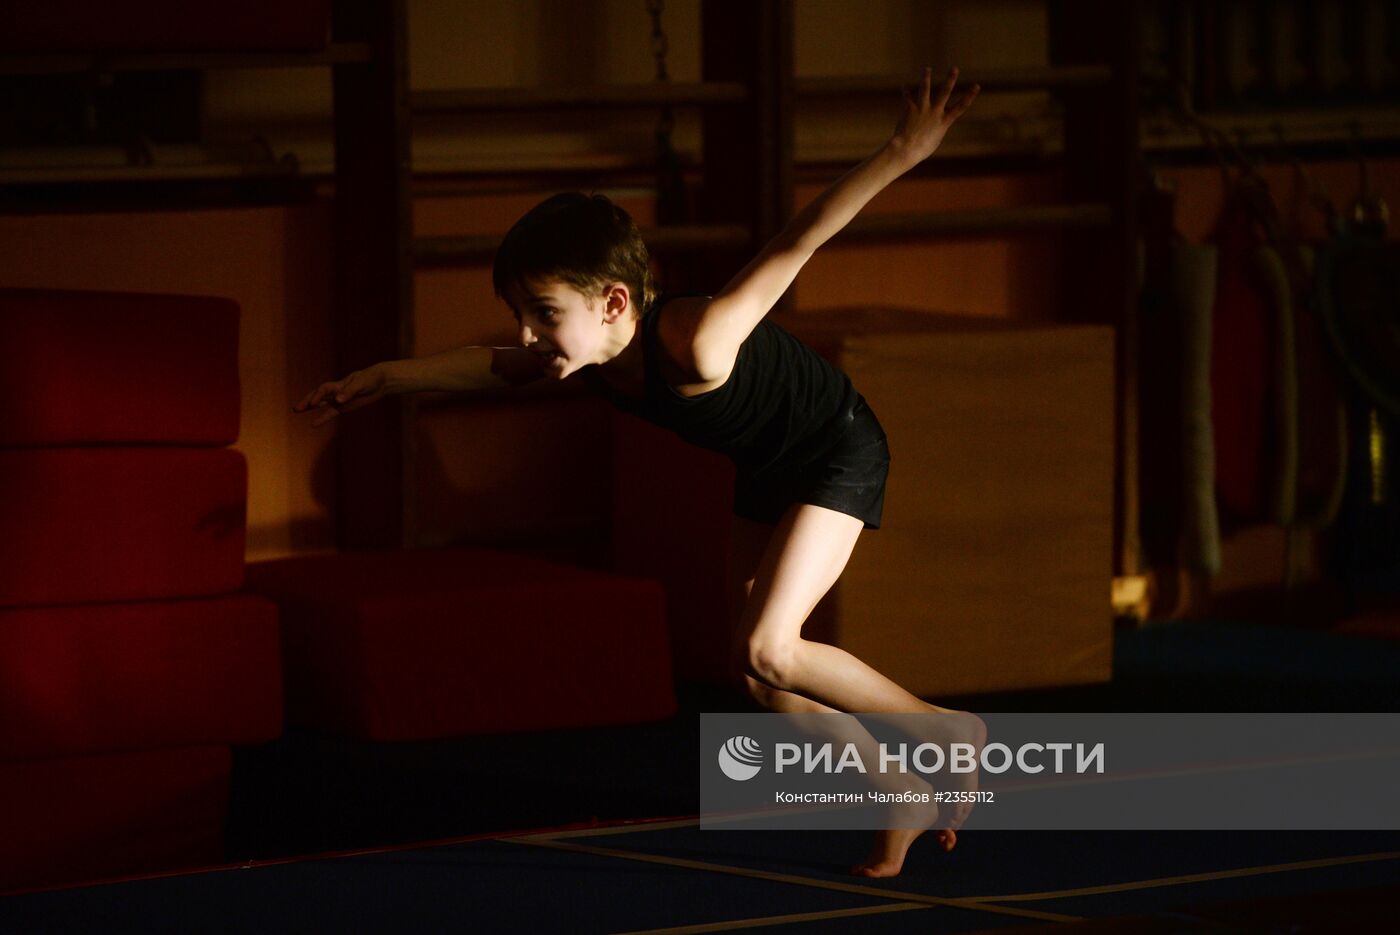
(275, 261)
(494, 43)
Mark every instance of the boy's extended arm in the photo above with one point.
(464, 369)
(740, 305)
(460, 370)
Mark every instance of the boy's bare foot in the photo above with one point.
(891, 845)
(887, 853)
(908, 821)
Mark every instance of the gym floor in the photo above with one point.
(329, 834)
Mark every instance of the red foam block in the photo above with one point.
(117, 368)
(86, 525)
(110, 678)
(412, 645)
(80, 819)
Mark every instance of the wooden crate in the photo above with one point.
(993, 566)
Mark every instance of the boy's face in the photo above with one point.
(567, 329)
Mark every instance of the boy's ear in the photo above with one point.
(617, 300)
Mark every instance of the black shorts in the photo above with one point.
(849, 477)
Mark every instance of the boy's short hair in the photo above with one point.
(583, 240)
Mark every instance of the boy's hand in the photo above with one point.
(927, 117)
(355, 391)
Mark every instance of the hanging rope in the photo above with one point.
(670, 185)
(660, 45)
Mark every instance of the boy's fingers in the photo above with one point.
(316, 397)
(332, 398)
(972, 97)
(964, 102)
(332, 410)
(945, 90)
(348, 388)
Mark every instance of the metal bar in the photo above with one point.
(974, 222)
(598, 96)
(147, 173)
(746, 176)
(998, 79)
(451, 251)
(337, 53)
(455, 251)
(697, 237)
(1103, 164)
(372, 290)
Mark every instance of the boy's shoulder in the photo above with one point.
(680, 314)
(679, 331)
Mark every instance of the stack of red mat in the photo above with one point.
(128, 664)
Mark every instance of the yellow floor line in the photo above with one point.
(1198, 769)
(1193, 878)
(609, 829)
(954, 902)
(760, 922)
(983, 903)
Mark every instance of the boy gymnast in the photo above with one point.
(810, 456)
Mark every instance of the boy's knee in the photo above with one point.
(771, 662)
(747, 681)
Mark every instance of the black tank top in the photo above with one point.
(782, 406)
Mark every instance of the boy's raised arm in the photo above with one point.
(460, 370)
(740, 305)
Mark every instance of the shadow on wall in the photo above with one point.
(519, 474)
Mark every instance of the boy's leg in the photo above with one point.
(776, 578)
(748, 541)
(804, 556)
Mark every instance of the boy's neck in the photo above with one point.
(626, 366)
